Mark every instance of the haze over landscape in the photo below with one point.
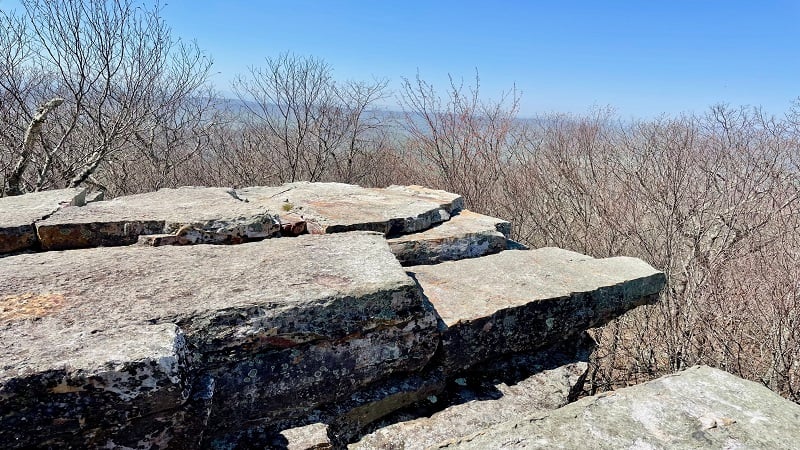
(641, 58)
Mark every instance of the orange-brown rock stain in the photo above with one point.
(29, 306)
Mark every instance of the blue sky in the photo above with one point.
(641, 57)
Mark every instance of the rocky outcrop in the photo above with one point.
(337, 207)
(506, 389)
(19, 214)
(141, 336)
(58, 390)
(270, 329)
(191, 215)
(466, 235)
(699, 408)
(198, 215)
(522, 300)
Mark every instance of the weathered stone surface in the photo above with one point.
(465, 235)
(194, 214)
(519, 300)
(19, 213)
(699, 408)
(157, 346)
(292, 225)
(277, 327)
(56, 381)
(95, 196)
(448, 201)
(309, 437)
(280, 384)
(497, 392)
(157, 240)
(337, 207)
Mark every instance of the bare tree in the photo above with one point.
(363, 132)
(21, 86)
(32, 133)
(303, 122)
(711, 200)
(461, 141)
(119, 71)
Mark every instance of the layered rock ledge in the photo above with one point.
(59, 220)
(465, 235)
(186, 318)
(270, 329)
(522, 300)
(18, 215)
(191, 214)
(337, 207)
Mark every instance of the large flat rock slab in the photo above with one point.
(337, 207)
(18, 214)
(699, 408)
(273, 328)
(465, 235)
(192, 214)
(519, 300)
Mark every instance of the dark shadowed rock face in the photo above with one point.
(520, 300)
(497, 391)
(699, 408)
(18, 215)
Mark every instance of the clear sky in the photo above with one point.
(641, 57)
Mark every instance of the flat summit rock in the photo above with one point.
(198, 214)
(209, 215)
(338, 207)
(279, 286)
(18, 214)
(699, 408)
(519, 300)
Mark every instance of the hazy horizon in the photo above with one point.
(640, 58)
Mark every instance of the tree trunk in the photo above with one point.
(34, 129)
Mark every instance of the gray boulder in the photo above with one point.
(699, 408)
